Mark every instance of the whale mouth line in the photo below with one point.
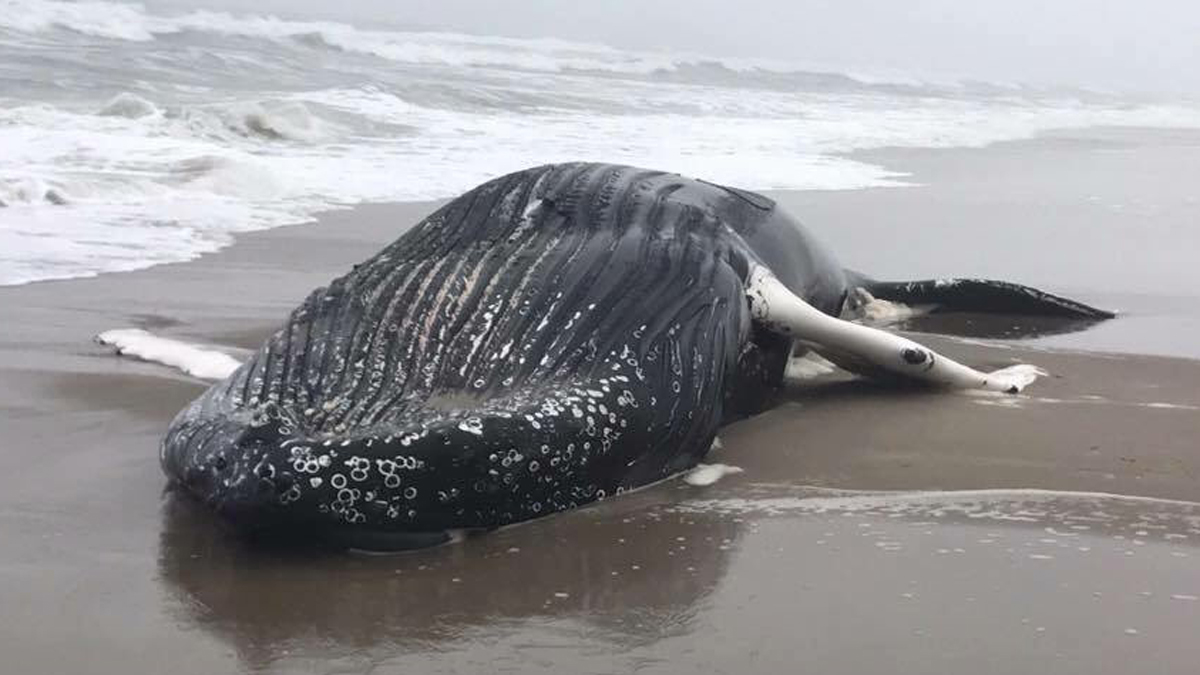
(390, 545)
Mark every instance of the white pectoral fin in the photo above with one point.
(777, 308)
(205, 363)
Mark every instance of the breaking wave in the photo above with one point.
(132, 22)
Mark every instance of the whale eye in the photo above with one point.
(913, 356)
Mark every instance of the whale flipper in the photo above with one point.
(987, 296)
(868, 350)
(200, 361)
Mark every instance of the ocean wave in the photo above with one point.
(113, 20)
(269, 121)
(170, 180)
(262, 120)
(133, 22)
(31, 190)
(124, 21)
(187, 178)
(131, 144)
(129, 106)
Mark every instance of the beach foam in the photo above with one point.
(1005, 505)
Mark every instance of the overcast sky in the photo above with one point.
(1147, 45)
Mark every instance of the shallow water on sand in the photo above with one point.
(676, 581)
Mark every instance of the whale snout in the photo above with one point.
(251, 500)
(234, 466)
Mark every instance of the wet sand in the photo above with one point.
(772, 570)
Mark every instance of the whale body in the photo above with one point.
(551, 338)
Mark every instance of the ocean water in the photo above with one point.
(130, 137)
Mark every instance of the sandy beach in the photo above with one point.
(982, 565)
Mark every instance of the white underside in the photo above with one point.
(869, 350)
(195, 360)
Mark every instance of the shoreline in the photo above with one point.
(922, 167)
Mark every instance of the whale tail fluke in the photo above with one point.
(982, 296)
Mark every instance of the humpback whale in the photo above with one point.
(551, 338)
